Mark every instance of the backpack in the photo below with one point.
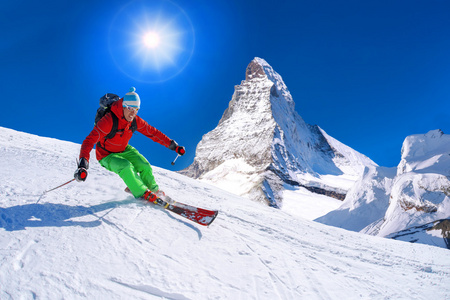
(105, 106)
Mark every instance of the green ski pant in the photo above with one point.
(133, 168)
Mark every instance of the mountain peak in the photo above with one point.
(261, 144)
(255, 69)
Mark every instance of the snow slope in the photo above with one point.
(93, 241)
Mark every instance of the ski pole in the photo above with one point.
(59, 186)
(173, 163)
(54, 189)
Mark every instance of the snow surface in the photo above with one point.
(302, 203)
(91, 240)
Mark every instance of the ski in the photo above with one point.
(198, 215)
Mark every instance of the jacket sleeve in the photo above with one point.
(100, 130)
(151, 132)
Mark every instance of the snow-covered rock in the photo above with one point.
(385, 202)
(425, 153)
(435, 233)
(262, 144)
(421, 190)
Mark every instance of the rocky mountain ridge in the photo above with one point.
(262, 144)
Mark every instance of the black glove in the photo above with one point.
(178, 149)
(81, 173)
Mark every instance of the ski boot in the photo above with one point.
(150, 196)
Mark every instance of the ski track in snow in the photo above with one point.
(93, 241)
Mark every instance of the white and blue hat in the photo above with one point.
(132, 99)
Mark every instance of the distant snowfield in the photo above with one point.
(236, 176)
(93, 241)
(302, 203)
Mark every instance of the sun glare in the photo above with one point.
(156, 44)
(152, 40)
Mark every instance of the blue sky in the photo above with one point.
(369, 73)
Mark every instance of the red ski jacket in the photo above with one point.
(119, 142)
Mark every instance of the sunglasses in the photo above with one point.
(131, 108)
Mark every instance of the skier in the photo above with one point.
(116, 155)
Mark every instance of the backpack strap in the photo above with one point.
(112, 133)
(133, 126)
(114, 127)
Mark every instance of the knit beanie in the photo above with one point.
(132, 98)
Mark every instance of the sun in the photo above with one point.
(152, 40)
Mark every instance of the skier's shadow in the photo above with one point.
(52, 215)
(59, 215)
